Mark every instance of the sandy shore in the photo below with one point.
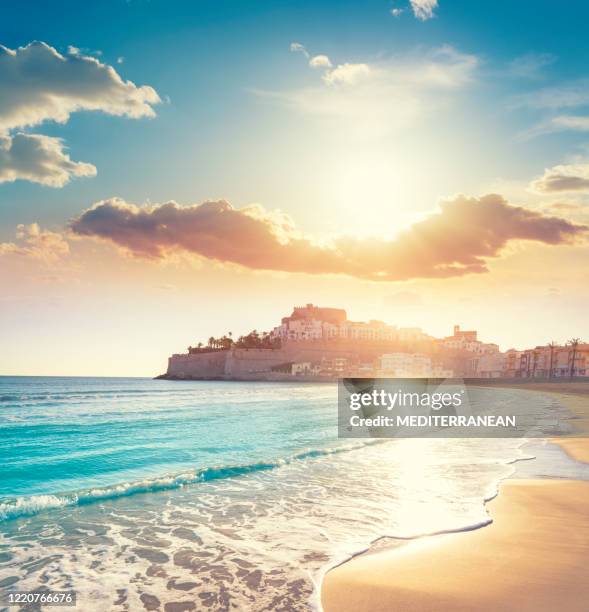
(576, 397)
(531, 558)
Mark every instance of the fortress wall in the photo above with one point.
(241, 362)
(247, 363)
(202, 365)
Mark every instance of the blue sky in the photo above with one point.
(208, 57)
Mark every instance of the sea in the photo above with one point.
(143, 494)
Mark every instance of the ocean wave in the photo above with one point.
(87, 394)
(26, 506)
(29, 506)
(9, 398)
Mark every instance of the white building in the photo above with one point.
(309, 323)
(411, 365)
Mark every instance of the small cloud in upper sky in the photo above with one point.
(530, 65)
(296, 47)
(382, 95)
(421, 9)
(347, 74)
(552, 100)
(316, 61)
(424, 9)
(571, 177)
(72, 50)
(560, 123)
(567, 95)
(320, 61)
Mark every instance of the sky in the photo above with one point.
(175, 170)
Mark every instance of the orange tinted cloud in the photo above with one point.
(457, 240)
(32, 241)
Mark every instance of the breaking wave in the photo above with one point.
(29, 506)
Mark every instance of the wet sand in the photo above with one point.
(576, 397)
(531, 558)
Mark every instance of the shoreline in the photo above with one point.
(504, 565)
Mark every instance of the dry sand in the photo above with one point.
(533, 557)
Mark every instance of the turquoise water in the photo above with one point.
(143, 494)
(68, 435)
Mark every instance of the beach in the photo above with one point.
(214, 494)
(531, 557)
(224, 495)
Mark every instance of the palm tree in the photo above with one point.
(574, 343)
(552, 345)
(211, 342)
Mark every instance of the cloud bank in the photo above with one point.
(457, 240)
(39, 159)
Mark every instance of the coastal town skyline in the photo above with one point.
(320, 343)
(170, 174)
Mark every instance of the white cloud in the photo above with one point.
(40, 84)
(424, 9)
(315, 61)
(39, 159)
(296, 47)
(561, 178)
(568, 122)
(560, 123)
(530, 65)
(320, 61)
(374, 97)
(567, 95)
(347, 74)
(552, 100)
(396, 12)
(34, 242)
